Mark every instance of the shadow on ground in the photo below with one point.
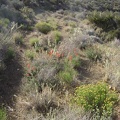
(10, 80)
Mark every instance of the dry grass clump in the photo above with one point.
(68, 113)
(113, 66)
(79, 40)
(45, 102)
(35, 104)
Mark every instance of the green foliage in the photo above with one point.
(30, 54)
(76, 62)
(10, 54)
(96, 97)
(93, 54)
(109, 22)
(102, 19)
(3, 115)
(27, 13)
(72, 24)
(18, 38)
(34, 41)
(4, 22)
(44, 27)
(57, 37)
(26, 27)
(67, 74)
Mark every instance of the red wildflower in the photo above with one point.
(51, 52)
(58, 55)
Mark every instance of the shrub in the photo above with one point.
(34, 41)
(10, 54)
(72, 24)
(103, 19)
(57, 36)
(26, 27)
(3, 115)
(30, 54)
(44, 27)
(76, 62)
(27, 13)
(109, 22)
(45, 101)
(96, 97)
(93, 54)
(67, 74)
(4, 22)
(18, 37)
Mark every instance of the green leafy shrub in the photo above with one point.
(4, 22)
(93, 54)
(76, 62)
(3, 115)
(26, 27)
(10, 54)
(96, 97)
(34, 41)
(109, 22)
(103, 19)
(72, 24)
(57, 37)
(18, 38)
(30, 54)
(44, 27)
(27, 13)
(67, 74)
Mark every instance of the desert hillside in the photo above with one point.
(59, 59)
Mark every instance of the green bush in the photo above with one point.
(44, 27)
(109, 22)
(93, 54)
(27, 13)
(67, 74)
(96, 97)
(4, 22)
(18, 38)
(34, 41)
(10, 54)
(30, 54)
(76, 62)
(3, 115)
(26, 27)
(57, 37)
(104, 20)
(72, 24)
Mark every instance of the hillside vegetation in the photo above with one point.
(59, 60)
